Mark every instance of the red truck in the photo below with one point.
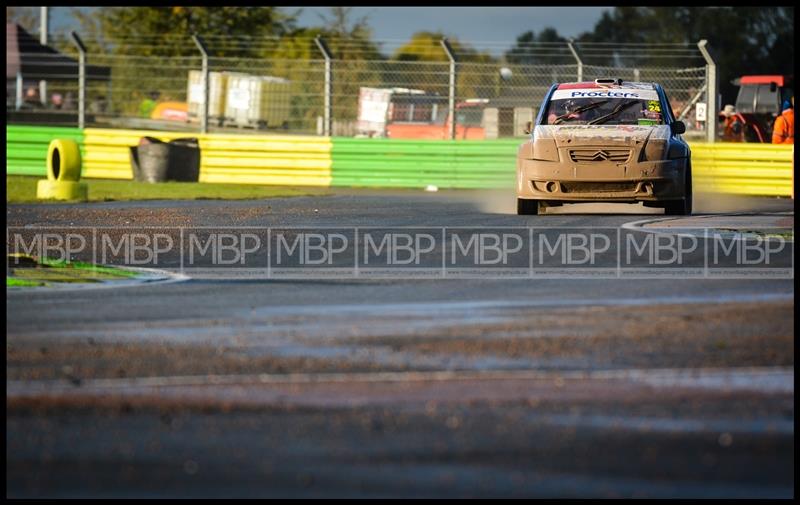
(757, 105)
(410, 120)
(402, 113)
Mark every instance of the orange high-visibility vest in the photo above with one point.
(783, 132)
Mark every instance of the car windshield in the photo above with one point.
(613, 111)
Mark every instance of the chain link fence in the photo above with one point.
(493, 97)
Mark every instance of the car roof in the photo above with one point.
(592, 84)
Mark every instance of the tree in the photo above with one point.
(476, 72)
(166, 31)
(296, 58)
(357, 59)
(150, 48)
(532, 49)
(349, 39)
(424, 46)
(26, 17)
(743, 40)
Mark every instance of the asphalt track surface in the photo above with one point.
(474, 387)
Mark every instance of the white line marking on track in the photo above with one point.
(731, 235)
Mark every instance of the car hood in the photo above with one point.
(578, 135)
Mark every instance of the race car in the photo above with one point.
(607, 140)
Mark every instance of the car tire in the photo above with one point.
(527, 207)
(682, 207)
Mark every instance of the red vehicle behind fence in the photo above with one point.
(757, 105)
(401, 113)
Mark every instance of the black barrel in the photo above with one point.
(156, 161)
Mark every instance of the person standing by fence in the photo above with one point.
(149, 103)
(783, 131)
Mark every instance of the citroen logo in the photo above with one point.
(600, 156)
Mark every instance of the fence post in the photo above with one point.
(19, 91)
(571, 45)
(43, 29)
(712, 91)
(452, 93)
(328, 55)
(201, 44)
(110, 100)
(81, 80)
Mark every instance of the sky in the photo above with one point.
(473, 25)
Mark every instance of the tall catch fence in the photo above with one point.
(291, 86)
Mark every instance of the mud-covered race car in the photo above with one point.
(607, 140)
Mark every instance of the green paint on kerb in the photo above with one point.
(87, 267)
(21, 283)
(419, 163)
(26, 147)
(26, 271)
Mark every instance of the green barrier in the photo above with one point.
(26, 147)
(745, 169)
(402, 163)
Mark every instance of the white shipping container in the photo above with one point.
(373, 107)
(261, 101)
(217, 90)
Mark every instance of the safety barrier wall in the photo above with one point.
(26, 147)
(419, 163)
(745, 169)
(224, 158)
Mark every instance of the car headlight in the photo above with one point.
(545, 150)
(654, 150)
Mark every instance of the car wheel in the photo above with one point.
(527, 207)
(682, 207)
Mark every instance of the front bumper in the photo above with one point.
(643, 181)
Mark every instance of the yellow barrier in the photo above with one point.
(63, 160)
(225, 158)
(743, 169)
(47, 189)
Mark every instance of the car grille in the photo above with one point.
(593, 155)
(598, 187)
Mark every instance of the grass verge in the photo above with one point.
(22, 189)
